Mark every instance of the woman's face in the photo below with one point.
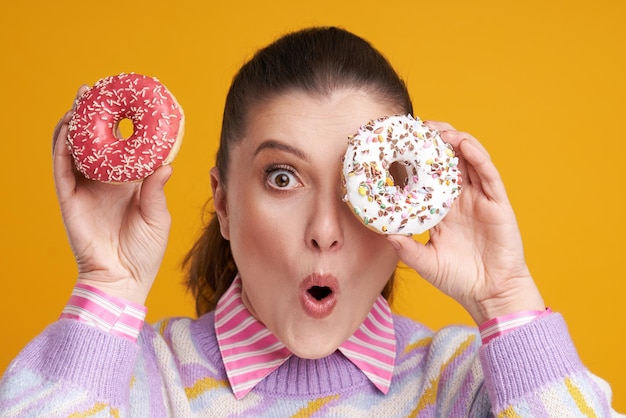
(310, 270)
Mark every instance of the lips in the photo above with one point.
(319, 295)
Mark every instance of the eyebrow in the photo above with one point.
(272, 144)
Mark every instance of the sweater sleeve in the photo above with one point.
(535, 371)
(71, 368)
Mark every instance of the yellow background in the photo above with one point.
(540, 83)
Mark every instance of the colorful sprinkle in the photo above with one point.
(157, 121)
(432, 185)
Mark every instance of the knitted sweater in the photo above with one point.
(175, 369)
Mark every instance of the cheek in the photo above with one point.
(376, 253)
(262, 228)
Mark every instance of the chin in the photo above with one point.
(313, 348)
(313, 354)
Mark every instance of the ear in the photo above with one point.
(220, 202)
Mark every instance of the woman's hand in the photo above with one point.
(475, 255)
(118, 233)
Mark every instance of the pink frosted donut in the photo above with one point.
(100, 153)
(424, 183)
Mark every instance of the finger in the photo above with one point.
(438, 125)
(414, 254)
(454, 138)
(445, 127)
(68, 115)
(468, 173)
(63, 121)
(81, 90)
(482, 170)
(152, 199)
(64, 177)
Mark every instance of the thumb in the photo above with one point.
(414, 254)
(152, 199)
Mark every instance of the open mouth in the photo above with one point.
(319, 295)
(319, 292)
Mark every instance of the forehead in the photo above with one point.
(302, 118)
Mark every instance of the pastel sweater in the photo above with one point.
(175, 369)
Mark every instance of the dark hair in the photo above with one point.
(317, 61)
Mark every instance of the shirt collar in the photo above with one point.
(251, 352)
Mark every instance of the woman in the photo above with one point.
(290, 287)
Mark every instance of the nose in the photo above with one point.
(325, 230)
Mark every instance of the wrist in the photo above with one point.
(512, 301)
(124, 289)
(502, 325)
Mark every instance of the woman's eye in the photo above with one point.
(282, 179)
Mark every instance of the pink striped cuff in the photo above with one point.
(110, 314)
(501, 325)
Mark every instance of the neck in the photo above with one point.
(297, 377)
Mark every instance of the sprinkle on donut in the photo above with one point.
(99, 151)
(427, 179)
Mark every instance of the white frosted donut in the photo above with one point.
(100, 153)
(424, 164)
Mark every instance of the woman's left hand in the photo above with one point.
(475, 255)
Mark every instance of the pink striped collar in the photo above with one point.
(251, 352)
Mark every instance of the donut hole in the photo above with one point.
(399, 173)
(124, 129)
